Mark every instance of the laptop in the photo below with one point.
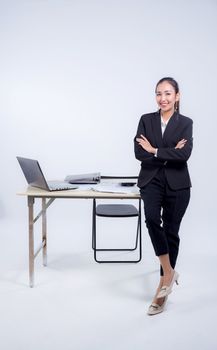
(35, 176)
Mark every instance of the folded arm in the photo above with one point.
(181, 152)
(141, 153)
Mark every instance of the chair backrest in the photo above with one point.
(126, 180)
(118, 177)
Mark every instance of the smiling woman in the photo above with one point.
(167, 96)
(163, 144)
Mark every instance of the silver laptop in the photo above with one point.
(35, 176)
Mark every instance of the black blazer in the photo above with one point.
(173, 160)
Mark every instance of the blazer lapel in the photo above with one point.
(171, 127)
(156, 129)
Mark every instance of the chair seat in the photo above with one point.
(116, 210)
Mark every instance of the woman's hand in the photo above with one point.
(181, 144)
(145, 144)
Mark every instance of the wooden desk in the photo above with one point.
(47, 198)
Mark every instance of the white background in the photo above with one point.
(75, 77)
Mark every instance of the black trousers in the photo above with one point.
(164, 209)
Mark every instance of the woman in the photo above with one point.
(163, 144)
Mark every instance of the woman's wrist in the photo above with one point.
(154, 151)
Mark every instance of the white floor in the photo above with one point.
(79, 304)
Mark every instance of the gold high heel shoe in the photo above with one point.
(166, 290)
(155, 309)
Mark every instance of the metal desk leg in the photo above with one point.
(31, 240)
(44, 231)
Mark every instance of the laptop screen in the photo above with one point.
(33, 172)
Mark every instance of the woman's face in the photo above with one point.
(166, 97)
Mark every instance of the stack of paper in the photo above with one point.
(115, 188)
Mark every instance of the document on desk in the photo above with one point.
(84, 187)
(115, 188)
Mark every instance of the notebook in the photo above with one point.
(93, 178)
(35, 177)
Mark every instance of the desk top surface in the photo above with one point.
(77, 193)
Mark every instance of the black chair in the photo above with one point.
(117, 211)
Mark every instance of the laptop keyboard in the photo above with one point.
(58, 186)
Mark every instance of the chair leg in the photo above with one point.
(138, 239)
(139, 227)
(94, 225)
